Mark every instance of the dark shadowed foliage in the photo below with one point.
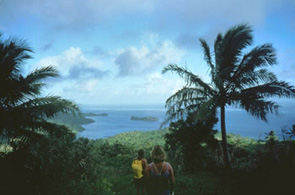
(238, 78)
(32, 148)
(192, 139)
(22, 110)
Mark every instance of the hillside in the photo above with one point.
(139, 139)
(146, 119)
(255, 163)
(73, 122)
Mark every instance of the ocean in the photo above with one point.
(237, 121)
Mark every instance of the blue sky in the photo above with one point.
(112, 52)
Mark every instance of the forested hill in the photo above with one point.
(253, 161)
(73, 122)
(103, 166)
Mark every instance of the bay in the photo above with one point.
(119, 120)
(237, 121)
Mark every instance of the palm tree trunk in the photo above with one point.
(224, 139)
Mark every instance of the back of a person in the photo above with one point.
(138, 166)
(160, 176)
(159, 180)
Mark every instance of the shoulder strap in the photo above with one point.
(167, 167)
(150, 165)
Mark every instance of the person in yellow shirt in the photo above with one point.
(139, 165)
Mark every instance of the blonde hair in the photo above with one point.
(158, 154)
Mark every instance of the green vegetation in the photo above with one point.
(258, 168)
(237, 78)
(22, 110)
(138, 139)
(147, 118)
(40, 156)
(72, 122)
(93, 114)
(104, 166)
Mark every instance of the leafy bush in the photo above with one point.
(190, 142)
(48, 165)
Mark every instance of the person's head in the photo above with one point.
(158, 154)
(140, 153)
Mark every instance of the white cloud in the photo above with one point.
(81, 76)
(72, 63)
(153, 88)
(138, 61)
(88, 86)
(157, 85)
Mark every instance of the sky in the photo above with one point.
(112, 52)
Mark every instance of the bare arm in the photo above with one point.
(144, 163)
(172, 179)
(147, 171)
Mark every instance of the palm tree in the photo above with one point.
(22, 110)
(237, 78)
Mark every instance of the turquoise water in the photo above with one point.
(119, 121)
(237, 121)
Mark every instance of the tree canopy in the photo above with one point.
(22, 109)
(237, 78)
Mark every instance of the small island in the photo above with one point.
(94, 114)
(147, 119)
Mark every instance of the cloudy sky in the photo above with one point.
(112, 52)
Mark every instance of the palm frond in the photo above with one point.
(184, 101)
(250, 79)
(217, 51)
(184, 98)
(42, 73)
(203, 108)
(260, 56)
(258, 107)
(272, 89)
(187, 94)
(32, 85)
(189, 77)
(18, 90)
(47, 106)
(207, 109)
(12, 54)
(207, 56)
(21, 113)
(44, 127)
(181, 113)
(230, 48)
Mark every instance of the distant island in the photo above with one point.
(93, 114)
(147, 119)
(74, 122)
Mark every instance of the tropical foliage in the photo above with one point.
(73, 122)
(191, 141)
(22, 110)
(237, 78)
(46, 158)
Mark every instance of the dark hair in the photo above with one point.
(158, 154)
(140, 153)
